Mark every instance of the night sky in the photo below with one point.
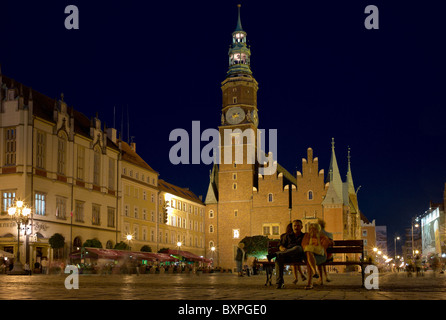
(321, 74)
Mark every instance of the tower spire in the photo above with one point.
(334, 176)
(239, 53)
(239, 21)
(351, 186)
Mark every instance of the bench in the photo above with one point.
(339, 247)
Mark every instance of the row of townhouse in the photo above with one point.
(83, 182)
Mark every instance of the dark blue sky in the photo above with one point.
(321, 74)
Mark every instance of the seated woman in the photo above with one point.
(315, 245)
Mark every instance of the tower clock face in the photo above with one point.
(235, 115)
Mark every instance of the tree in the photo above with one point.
(146, 248)
(57, 242)
(256, 246)
(92, 243)
(121, 246)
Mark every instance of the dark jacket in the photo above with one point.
(289, 240)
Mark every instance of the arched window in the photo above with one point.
(211, 213)
(211, 229)
(270, 197)
(109, 245)
(77, 243)
(310, 195)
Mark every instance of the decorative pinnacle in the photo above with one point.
(332, 143)
(239, 22)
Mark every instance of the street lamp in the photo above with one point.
(416, 225)
(396, 238)
(179, 250)
(129, 238)
(20, 214)
(212, 250)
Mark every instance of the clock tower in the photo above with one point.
(238, 167)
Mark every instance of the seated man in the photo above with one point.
(290, 250)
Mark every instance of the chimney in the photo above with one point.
(111, 133)
(133, 146)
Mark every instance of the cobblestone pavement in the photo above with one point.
(392, 286)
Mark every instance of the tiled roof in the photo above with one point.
(180, 192)
(43, 107)
(129, 155)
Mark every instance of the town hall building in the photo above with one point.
(242, 202)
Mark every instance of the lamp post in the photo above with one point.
(129, 238)
(396, 238)
(20, 214)
(179, 251)
(212, 250)
(416, 225)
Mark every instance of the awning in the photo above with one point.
(113, 254)
(187, 255)
(4, 254)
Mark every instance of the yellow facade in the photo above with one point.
(183, 226)
(62, 165)
(82, 182)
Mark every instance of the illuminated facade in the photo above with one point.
(139, 200)
(242, 201)
(60, 163)
(83, 182)
(181, 219)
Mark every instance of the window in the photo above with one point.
(234, 99)
(234, 176)
(126, 210)
(364, 233)
(270, 197)
(236, 233)
(211, 244)
(135, 212)
(7, 200)
(135, 232)
(211, 213)
(144, 195)
(96, 215)
(61, 153)
(111, 174)
(79, 211)
(234, 186)
(39, 203)
(310, 195)
(61, 208)
(144, 214)
(10, 146)
(110, 217)
(96, 166)
(211, 228)
(80, 162)
(144, 233)
(152, 216)
(40, 152)
(235, 213)
(271, 229)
